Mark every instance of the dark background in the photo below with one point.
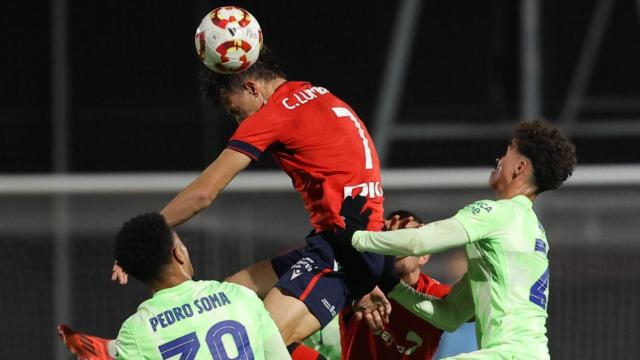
(134, 106)
(134, 102)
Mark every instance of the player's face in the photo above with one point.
(505, 168)
(242, 103)
(408, 264)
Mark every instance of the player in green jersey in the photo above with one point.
(506, 285)
(185, 318)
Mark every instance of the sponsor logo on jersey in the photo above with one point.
(372, 189)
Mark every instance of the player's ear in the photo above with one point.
(177, 251)
(178, 255)
(524, 165)
(251, 87)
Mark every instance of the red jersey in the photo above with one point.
(322, 145)
(405, 336)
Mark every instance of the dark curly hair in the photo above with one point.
(143, 246)
(552, 155)
(214, 85)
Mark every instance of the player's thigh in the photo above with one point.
(292, 317)
(259, 277)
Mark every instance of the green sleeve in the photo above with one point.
(431, 238)
(126, 347)
(482, 218)
(446, 314)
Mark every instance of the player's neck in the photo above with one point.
(171, 279)
(271, 86)
(517, 188)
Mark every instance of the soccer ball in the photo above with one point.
(228, 40)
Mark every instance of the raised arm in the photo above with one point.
(446, 314)
(198, 195)
(431, 238)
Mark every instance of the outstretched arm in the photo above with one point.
(431, 238)
(446, 314)
(198, 195)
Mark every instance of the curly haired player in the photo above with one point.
(506, 285)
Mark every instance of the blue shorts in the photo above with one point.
(311, 274)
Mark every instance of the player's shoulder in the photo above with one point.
(232, 289)
(485, 206)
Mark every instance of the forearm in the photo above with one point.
(204, 189)
(189, 202)
(446, 314)
(431, 238)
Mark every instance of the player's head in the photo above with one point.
(244, 93)
(406, 265)
(148, 249)
(539, 156)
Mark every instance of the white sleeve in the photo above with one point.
(447, 314)
(431, 238)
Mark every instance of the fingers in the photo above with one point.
(117, 274)
(385, 312)
(114, 271)
(359, 315)
(393, 223)
(404, 222)
(397, 223)
(374, 320)
(359, 201)
(388, 309)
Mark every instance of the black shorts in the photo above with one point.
(312, 275)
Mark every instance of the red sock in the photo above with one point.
(300, 351)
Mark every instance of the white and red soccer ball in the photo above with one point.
(228, 40)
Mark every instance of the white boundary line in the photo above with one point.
(276, 181)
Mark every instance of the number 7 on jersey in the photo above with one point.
(344, 112)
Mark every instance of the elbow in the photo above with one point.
(417, 247)
(203, 198)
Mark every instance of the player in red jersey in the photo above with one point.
(323, 146)
(405, 336)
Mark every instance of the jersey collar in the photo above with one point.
(176, 288)
(523, 201)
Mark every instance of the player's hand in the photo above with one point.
(397, 223)
(375, 309)
(117, 274)
(83, 346)
(354, 218)
(351, 211)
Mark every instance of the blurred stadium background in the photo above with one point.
(100, 119)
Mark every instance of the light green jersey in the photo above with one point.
(508, 275)
(506, 286)
(200, 320)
